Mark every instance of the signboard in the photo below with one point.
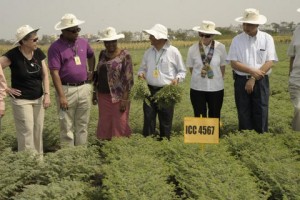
(201, 130)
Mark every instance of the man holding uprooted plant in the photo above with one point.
(252, 54)
(162, 65)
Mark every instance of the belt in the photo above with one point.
(243, 76)
(154, 87)
(75, 84)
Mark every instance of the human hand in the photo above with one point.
(141, 76)
(63, 102)
(46, 101)
(123, 105)
(13, 92)
(257, 74)
(175, 81)
(250, 85)
(95, 98)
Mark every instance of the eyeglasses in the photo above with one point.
(75, 30)
(206, 36)
(32, 67)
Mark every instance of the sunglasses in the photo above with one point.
(34, 39)
(75, 30)
(206, 36)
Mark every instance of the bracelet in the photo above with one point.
(252, 77)
(46, 93)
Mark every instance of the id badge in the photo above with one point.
(155, 73)
(77, 60)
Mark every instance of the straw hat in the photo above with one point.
(158, 31)
(252, 16)
(207, 27)
(23, 31)
(110, 34)
(67, 21)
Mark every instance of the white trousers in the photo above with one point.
(74, 124)
(29, 122)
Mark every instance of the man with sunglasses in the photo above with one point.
(71, 61)
(252, 54)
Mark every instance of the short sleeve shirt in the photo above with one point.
(26, 75)
(194, 61)
(61, 57)
(252, 51)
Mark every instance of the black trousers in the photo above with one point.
(207, 103)
(165, 117)
(252, 108)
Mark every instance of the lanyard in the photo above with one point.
(157, 60)
(207, 58)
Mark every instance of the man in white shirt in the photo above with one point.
(162, 65)
(294, 80)
(252, 54)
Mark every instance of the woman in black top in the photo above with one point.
(29, 89)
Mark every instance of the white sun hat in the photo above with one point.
(252, 16)
(158, 31)
(110, 34)
(67, 21)
(23, 31)
(298, 9)
(207, 27)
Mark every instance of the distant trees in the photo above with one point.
(282, 28)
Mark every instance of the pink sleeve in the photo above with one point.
(2, 89)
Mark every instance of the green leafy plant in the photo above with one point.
(140, 91)
(168, 96)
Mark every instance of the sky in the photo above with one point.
(136, 15)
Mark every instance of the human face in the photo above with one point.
(250, 29)
(111, 46)
(205, 38)
(71, 33)
(31, 41)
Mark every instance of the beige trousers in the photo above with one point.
(29, 122)
(295, 98)
(74, 124)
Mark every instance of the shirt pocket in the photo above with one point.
(261, 56)
(164, 67)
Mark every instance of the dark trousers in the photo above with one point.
(252, 108)
(207, 102)
(165, 117)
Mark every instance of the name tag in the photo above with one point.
(77, 60)
(155, 73)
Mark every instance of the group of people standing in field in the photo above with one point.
(79, 82)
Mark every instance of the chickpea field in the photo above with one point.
(244, 165)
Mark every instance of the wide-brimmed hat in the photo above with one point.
(67, 21)
(23, 31)
(252, 16)
(110, 34)
(207, 27)
(158, 31)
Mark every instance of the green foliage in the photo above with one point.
(271, 161)
(140, 90)
(210, 173)
(135, 171)
(243, 166)
(61, 190)
(168, 96)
